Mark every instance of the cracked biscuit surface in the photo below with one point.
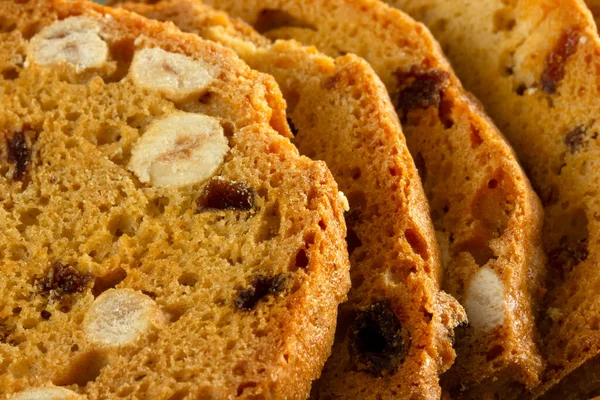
(485, 213)
(161, 236)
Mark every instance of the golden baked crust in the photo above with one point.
(483, 207)
(535, 66)
(112, 287)
(394, 334)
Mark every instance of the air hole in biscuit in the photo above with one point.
(84, 368)
(108, 281)
(246, 385)
(417, 243)
(188, 279)
(475, 136)
(492, 205)
(174, 312)
(108, 135)
(180, 394)
(122, 51)
(138, 121)
(504, 20)
(352, 239)
(270, 225)
(6, 26)
(31, 30)
(355, 173)
(269, 19)
(29, 323)
(10, 74)
(357, 200)
(122, 224)
(494, 353)
(28, 218)
(301, 259)
(157, 206)
(478, 247)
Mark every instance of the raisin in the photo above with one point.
(563, 259)
(292, 127)
(420, 89)
(556, 60)
(576, 139)
(377, 342)
(260, 287)
(221, 194)
(19, 153)
(45, 315)
(63, 279)
(352, 238)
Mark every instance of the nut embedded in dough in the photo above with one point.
(485, 300)
(75, 40)
(176, 76)
(181, 149)
(120, 317)
(46, 393)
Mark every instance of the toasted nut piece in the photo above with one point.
(120, 317)
(485, 300)
(46, 393)
(179, 150)
(174, 75)
(344, 200)
(74, 40)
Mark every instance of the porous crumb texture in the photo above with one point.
(487, 217)
(535, 66)
(117, 288)
(394, 333)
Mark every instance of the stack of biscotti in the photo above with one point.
(487, 217)
(394, 333)
(535, 64)
(162, 238)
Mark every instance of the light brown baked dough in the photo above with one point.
(161, 236)
(487, 217)
(535, 66)
(395, 332)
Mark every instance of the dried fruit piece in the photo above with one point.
(120, 317)
(176, 76)
(557, 58)
(181, 149)
(46, 393)
(576, 139)
(563, 259)
(221, 194)
(484, 300)
(63, 279)
(376, 340)
(75, 40)
(420, 89)
(19, 154)
(260, 287)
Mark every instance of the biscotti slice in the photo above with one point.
(161, 237)
(535, 66)
(395, 332)
(487, 217)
